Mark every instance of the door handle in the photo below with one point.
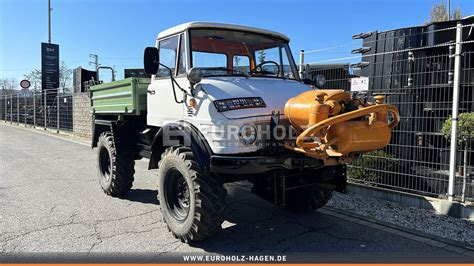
(152, 92)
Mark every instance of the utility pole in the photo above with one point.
(95, 62)
(113, 73)
(49, 21)
(449, 9)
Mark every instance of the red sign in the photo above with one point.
(25, 84)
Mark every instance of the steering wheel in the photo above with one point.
(259, 66)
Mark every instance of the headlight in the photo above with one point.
(239, 103)
(248, 134)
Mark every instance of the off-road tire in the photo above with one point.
(117, 178)
(308, 199)
(206, 197)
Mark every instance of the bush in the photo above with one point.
(365, 168)
(465, 127)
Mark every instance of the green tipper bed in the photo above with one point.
(126, 96)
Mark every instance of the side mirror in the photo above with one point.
(194, 75)
(151, 60)
(319, 81)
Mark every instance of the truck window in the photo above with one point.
(239, 47)
(287, 72)
(182, 56)
(270, 54)
(209, 63)
(241, 63)
(168, 51)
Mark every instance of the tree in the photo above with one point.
(236, 61)
(261, 56)
(456, 13)
(465, 127)
(464, 138)
(439, 12)
(8, 85)
(65, 77)
(35, 79)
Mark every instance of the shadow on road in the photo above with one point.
(255, 226)
(142, 195)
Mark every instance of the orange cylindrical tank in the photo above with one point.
(358, 136)
(319, 110)
(299, 109)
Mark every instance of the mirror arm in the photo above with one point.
(173, 82)
(192, 89)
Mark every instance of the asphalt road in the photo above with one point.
(52, 208)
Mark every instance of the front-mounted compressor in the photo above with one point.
(333, 126)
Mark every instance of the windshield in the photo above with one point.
(227, 52)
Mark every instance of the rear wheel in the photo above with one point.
(116, 169)
(192, 203)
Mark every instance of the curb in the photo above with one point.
(441, 206)
(62, 136)
(432, 240)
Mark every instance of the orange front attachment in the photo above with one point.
(298, 108)
(359, 136)
(327, 129)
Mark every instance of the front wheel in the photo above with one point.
(192, 203)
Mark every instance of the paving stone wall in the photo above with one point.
(82, 115)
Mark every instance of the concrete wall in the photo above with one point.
(82, 116)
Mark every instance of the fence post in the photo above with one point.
(6, 108)
(25, 107)
(301, 63)
(18, 109)
(454, 115)
(73, 119)
(57, 111)
(44, 108)
(34, 109)
(11, 108)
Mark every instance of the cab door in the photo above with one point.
(165, 104)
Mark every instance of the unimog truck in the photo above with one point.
(225, 103)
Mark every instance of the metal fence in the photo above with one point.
(418, 157)
(421, 82)
(48, 110)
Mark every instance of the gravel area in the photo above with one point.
(423, 220)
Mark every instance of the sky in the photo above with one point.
(119, 30)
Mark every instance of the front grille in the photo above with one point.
(283, 131)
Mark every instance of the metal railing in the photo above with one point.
(48, 109)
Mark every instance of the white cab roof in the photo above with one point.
(190, 25)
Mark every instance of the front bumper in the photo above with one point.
(242, 165)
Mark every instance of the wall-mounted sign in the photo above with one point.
(360, 84)
(135, 73)
(49, 67)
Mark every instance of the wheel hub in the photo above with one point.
(177, 195)
(105, 163)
